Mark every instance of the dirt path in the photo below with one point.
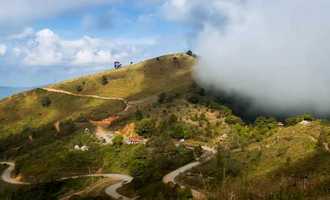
(110, 190)
(89, 96)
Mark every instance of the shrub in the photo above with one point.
(46, 102)
(104, 80)
(189, 53)
(138, 115)
(79, 88)
(231, 119)
(179, 131)
(194, 99)
(146, 127)
(67, 127)
(162, 97)
(118, 140)
(296, 119)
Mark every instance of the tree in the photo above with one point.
(104, 80)
(231, 119)
(146, 127)
(46, 102)
(189, 53)
(79, 88)
(67, 127)
(118, 140)
(138, 115)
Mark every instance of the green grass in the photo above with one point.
(25, 110)
(139, 80)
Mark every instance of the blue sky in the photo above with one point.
(49, 41)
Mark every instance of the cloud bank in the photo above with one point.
(45, 48)
(274, 53)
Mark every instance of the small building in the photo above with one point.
(135, 140)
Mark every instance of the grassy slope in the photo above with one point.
(136, 81)
(139, 80)
(276, 162)
(25, 110)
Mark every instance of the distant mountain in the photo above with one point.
(8, 91)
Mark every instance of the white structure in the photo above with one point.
(305, 123)
(83, 148)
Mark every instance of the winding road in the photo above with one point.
(110, 191)
(123, 179)
(170, 177)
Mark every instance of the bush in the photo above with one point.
(46, 102)
(291, 121)
(179, 131)
(79, 88)
(67, 127)
(231, 119)
(118, 140)
(138, 115)
(194, 99)
(265, 123)
(162, 97)
(104, 80)
(189, 53)
(146, 127)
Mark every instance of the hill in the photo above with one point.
(151, 77)
(147, 120)
(7, 91)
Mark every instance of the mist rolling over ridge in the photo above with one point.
(274, 54)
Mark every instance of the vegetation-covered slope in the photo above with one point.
(147, 78)
(289, 159)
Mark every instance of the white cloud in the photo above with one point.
(3, 49)
(20, 11)
(273, 52)
(46, 48)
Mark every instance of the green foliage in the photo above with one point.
(231, 119)
(67, 127)
(118, 140)
(79, 88)
(296, 119)
(104, 80)
(263, 127)
(226, 165)
(155, 159)
(138, 115)
(162, 97)
(46, 102)
(179, 131)
(194, 99)
(146, 127)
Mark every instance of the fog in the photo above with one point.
(275, 54)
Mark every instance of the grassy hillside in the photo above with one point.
(151, 77)
(288, 161)
(138, 80)
(25, 110)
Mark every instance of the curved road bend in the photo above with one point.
(170, 177)
(110, 191)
